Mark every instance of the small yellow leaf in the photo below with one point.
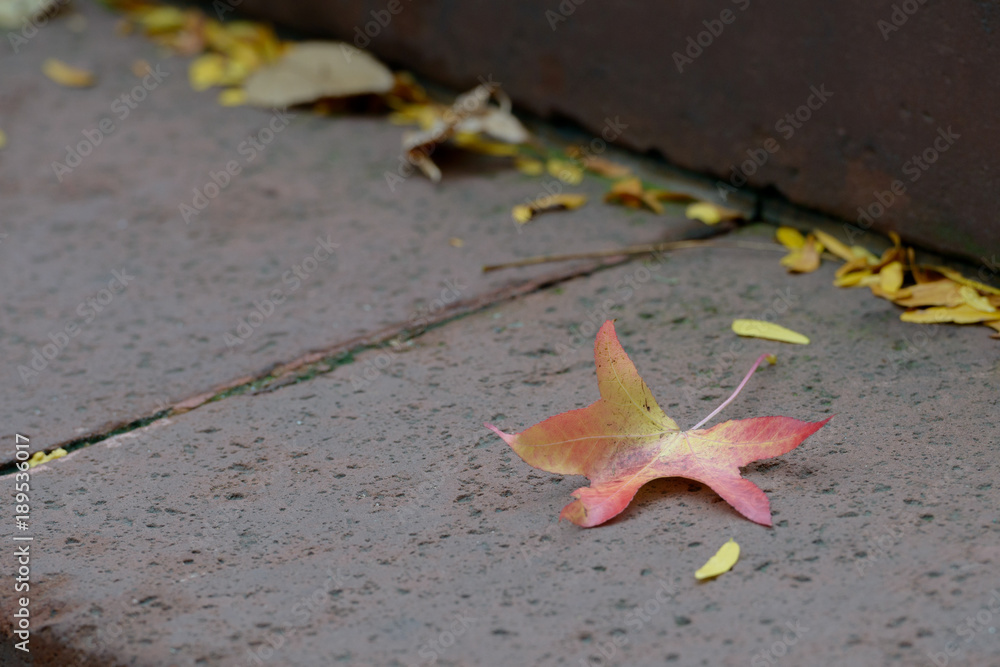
(529, 166)
(66, 75)
(964, 314)
(857, 279)
(3, 139)
(891, 277)
(790, 237)
(456, 242)
(805, 259)
(711, 214)
(962, 280)
(207, 71)
(565, 171)
(833, 245)
(567, 202)
(232, 97)
(864, 253)
(768, 330)
(476, 143)
(721, 562)
(38, 458)
(975, 299)
(162, 19)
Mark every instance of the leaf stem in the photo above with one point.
(738, 390)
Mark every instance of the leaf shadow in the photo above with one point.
(690, 493)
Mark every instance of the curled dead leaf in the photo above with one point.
(309, 71)
(562, 202)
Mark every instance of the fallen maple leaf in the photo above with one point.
(624, 440)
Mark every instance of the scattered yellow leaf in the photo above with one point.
(723, 561)
(631, 193)
(964, 314)
(38, 458)
(833, 245)
(962, 280)
(565, 171)
(232, 97)
(975, 299)
(891, 277)
(864, 253)
(768, 330)
(937, 293)
(790, 237)
(862, 278)
(161, 19)
(67, 75)
(3, 139)
(207, 71)
(456, 242)
(476, 143)
(805, 259)
(995, 325)
(566, 202)
(529, 166)
(711, 214)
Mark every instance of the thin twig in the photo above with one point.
(644, 249)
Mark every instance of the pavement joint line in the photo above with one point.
(310, 365)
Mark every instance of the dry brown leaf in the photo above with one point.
(599, 165)
(565, 202)
(309, 71)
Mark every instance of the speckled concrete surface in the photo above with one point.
(365, 516)
(330, 522)
(318, 181)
